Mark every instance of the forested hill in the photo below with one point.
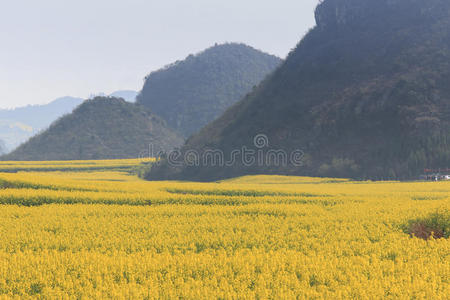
(365, 94)
(101, 128)
(195, 91)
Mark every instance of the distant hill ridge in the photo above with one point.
(190, 93)
(127, 95)
(187, 95)
(2, 147)
(19, 124)
(365, 94)
(100, 128)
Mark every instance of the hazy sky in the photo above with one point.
(54, 48)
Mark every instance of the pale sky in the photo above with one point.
(54, 48)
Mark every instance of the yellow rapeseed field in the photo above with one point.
(98, 231)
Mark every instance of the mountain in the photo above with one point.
(100, 128)
(127, 95)
(2, 147)
(19, 124)
(195, 91)
(365, 94)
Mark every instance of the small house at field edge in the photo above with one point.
(436, 175)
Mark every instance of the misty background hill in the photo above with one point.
(190, 93)
(100, 128)
(365, 94)
(127, 95)
(2, 147)
(19, 124)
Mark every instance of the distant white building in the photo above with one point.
(436, 175)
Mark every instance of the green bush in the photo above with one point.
(436, 225)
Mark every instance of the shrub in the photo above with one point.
(436, 225)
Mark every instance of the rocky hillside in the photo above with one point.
(365, 94)
(101, 128)
(190, 93)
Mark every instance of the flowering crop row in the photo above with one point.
(97, 235)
